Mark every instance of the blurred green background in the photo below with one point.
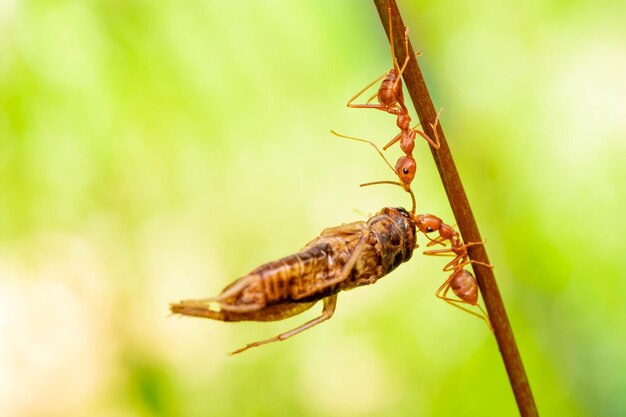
(155, 151)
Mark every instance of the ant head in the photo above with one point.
(427, 223)
(405, 168)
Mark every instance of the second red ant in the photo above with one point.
(391, 100)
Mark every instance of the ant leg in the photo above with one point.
(329, 308)
(393, 141)
(463, 264)
(457, 303)
(406, 60)
(434, 127)
(369, 100)
(440, 252)
(393, 52)
(436, 143)
(453, 265)
(434, 242)
(456, 265)
(438, 241)
(467, 245)
(367, 87)
(486, 316)
(406, 44)
(444, 287)
(449, 252)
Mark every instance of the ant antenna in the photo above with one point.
(366, 141)
(408, 190)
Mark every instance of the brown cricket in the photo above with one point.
(341, 258)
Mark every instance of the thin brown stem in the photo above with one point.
(462, 212)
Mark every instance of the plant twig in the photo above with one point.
(426, 112)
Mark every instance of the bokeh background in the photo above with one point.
(155, 151)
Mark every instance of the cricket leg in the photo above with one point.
(354, 256)
(327, 312)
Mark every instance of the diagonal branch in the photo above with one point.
(462, 212)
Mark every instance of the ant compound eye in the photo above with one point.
(406, 171)
(429, 229)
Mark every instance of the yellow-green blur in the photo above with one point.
(156, 151)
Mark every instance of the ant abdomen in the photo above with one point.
(390, 90)
(465, 286)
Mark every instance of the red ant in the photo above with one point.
(391, 99)
(461, 281)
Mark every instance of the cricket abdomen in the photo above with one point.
(294, 276)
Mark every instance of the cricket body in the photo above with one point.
(341, 258)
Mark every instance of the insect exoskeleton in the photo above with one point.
(341, 258)
(464, 285)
